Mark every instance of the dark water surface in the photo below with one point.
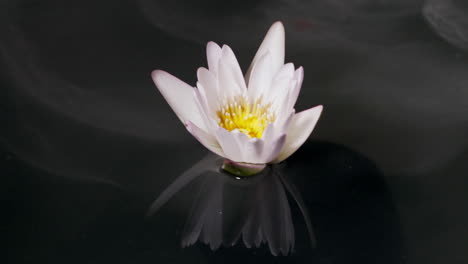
(88, 143)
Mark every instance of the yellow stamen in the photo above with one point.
(249, 117)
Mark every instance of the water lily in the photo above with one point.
(251, 120)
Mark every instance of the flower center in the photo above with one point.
(249, 117)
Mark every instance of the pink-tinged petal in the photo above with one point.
(205, 139)
(238, 147)
(269, 138)
(298, 77)
(277, 147)
(230, 58)
(232, 69)
(300, 129)
(179, 96)
(279, 89)
(202, 106)
(281, 96)
(282, 124)
(273, 42)
(254, 149)
(228, 86)
(207, 84)
(251, 148)
(229, 145)
(261, 77)
(206, 98)
(269, 133)
(241, 140)
(213, 54)
(285, 88)
(286, 104)
(286, 71)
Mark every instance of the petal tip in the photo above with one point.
(156, 74)
(199, 72)
(278, 25)
(225, 49)
(211, 44)
(319, 108)
(316, 110)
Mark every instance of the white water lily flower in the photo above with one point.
(249, 121)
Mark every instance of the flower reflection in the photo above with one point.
(229, 210)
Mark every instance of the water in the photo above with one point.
(89, 144)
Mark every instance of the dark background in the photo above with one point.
(87, 142)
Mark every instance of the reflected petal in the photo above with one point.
(226, 209)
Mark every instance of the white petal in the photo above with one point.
(207, 84)
(283, 86)
(269, 133)
(251, 148)
(272, 141)
(273, 42)
(301, 126)
(281, 103)
(228, 87)
(179, 96)
(254, 150)
(229, 59)
(229, 145)
(207, 118)
(276, 147)
(282, 124)
(286, 71)
(205, 139)
(261, 77)
(283, 83)
(213, 54)
(298, 77)
(237, 146)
